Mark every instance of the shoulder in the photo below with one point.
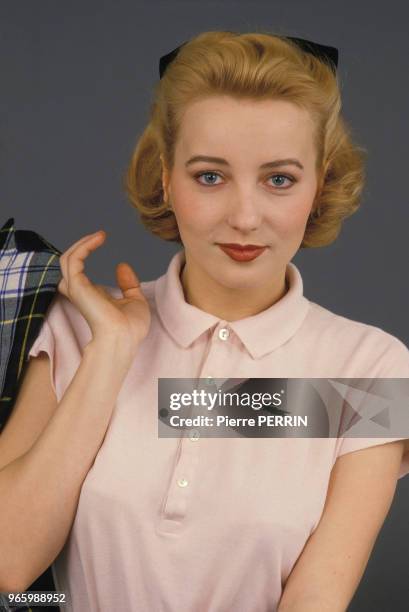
(361, 343)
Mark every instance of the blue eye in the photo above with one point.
(216, 174)
(282, 176)
(206, 174)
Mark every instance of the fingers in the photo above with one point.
(67, 253)
(128, 280)
(72, 260)
(75, 261)
(72, 265)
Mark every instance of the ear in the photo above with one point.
(320, 186)
(165, 179)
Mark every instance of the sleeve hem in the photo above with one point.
(45, 342)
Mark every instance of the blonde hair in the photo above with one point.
(258, 66)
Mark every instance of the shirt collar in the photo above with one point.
(260, 333)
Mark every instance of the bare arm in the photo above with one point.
(330, 567)
(40, 489)
(42, 471)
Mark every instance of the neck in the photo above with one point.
(226, 303)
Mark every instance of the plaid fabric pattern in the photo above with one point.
(29, 276)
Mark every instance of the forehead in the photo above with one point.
(258, 126)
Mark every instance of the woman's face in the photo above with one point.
(241, 200)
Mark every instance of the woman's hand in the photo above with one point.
(127, 317)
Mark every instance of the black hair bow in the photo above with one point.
(325, 53)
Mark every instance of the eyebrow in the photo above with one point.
(219, 160)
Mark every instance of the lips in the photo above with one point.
(242, 253)
(241, 247)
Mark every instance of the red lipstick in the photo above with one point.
(239, 252)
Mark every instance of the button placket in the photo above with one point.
(218, 355)
(182, 481)
(184, 476)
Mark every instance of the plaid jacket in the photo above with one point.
(29, 276)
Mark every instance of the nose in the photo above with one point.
(244, 214)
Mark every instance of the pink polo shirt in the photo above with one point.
(202, 524)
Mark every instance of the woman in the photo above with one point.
(137, 522)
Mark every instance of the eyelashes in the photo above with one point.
(289, 178)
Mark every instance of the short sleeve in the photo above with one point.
(63, 336)
(45, 342)
(394, 359)
(393, 362)
(348, 445)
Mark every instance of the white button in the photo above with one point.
(224, 333)
(194, 435)
(182, 482)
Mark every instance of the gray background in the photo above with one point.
(76, 81)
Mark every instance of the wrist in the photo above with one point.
(116, 347)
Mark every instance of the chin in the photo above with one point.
(238, 279)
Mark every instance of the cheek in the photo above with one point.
(193, 213)
(292, 219)
(290, 223)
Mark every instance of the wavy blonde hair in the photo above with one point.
(259, 66)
